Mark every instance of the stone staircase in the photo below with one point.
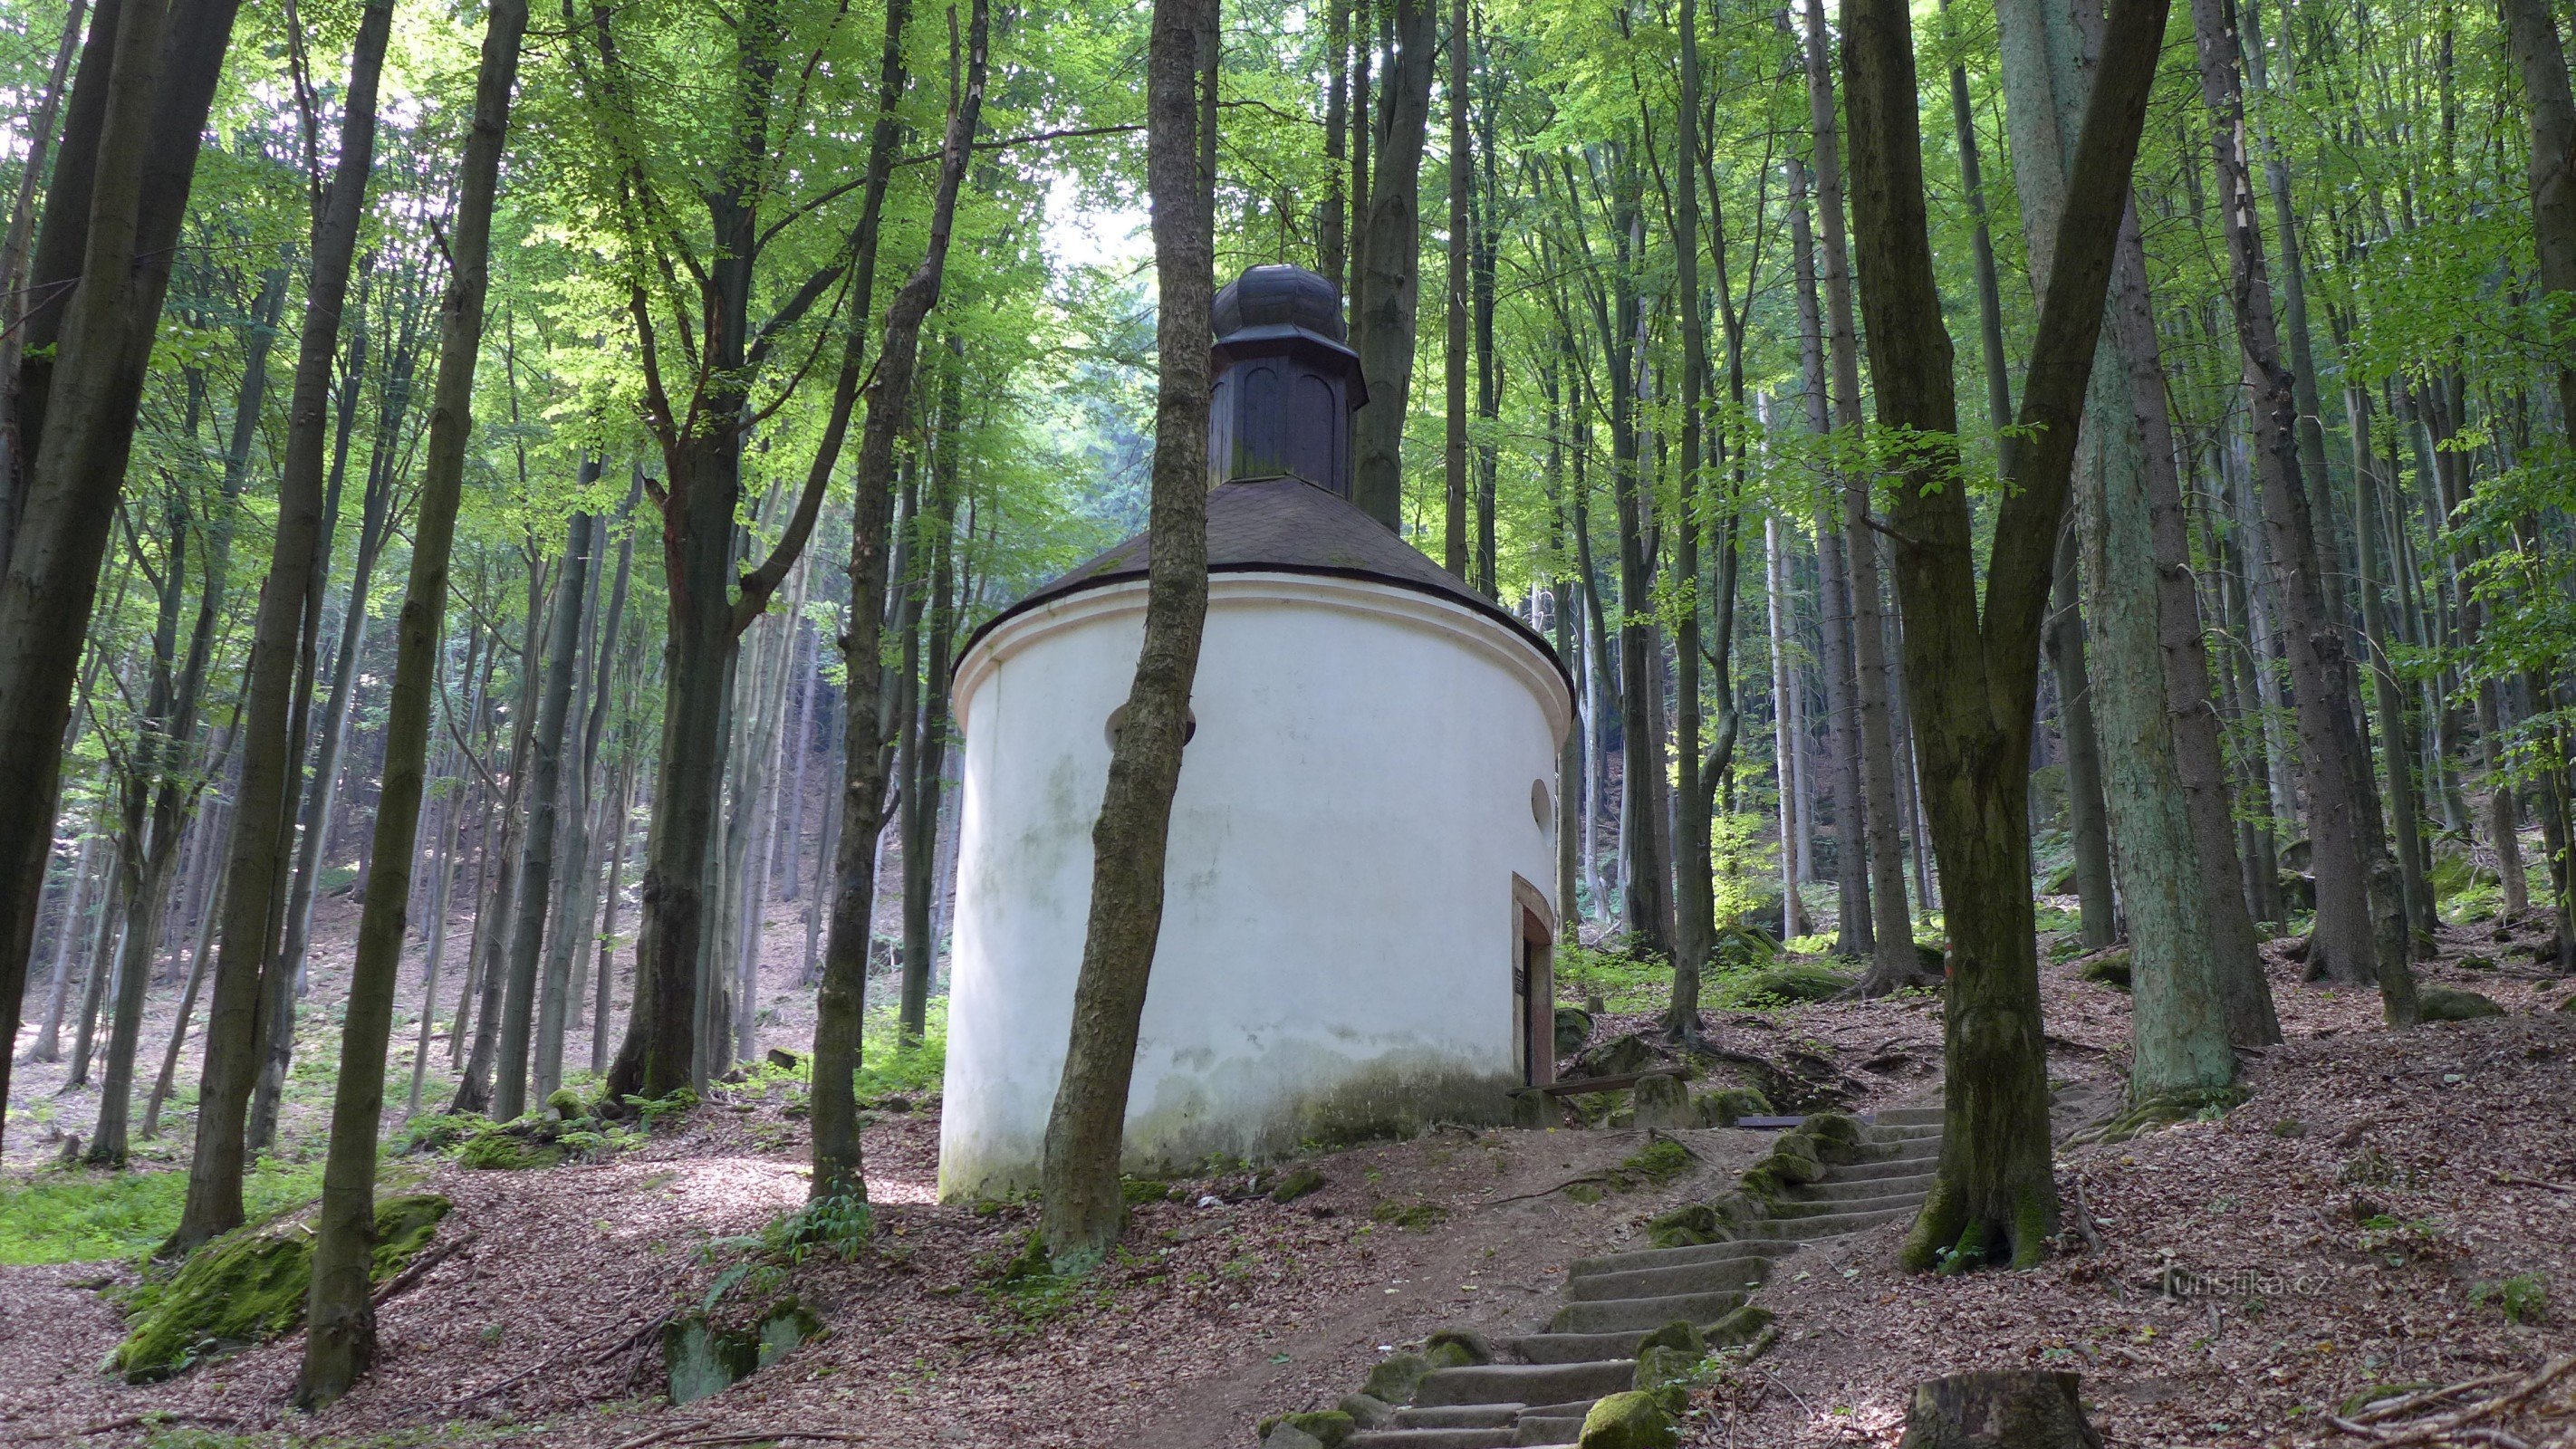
(1588, 1350)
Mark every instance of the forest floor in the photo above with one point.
(2357, 1222)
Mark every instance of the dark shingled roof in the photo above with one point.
(1285, 525)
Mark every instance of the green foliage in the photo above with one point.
(2522, 1298)
(75, 1215)
(1623, 981)
(892, 1067)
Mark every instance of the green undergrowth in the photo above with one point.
(1624, 982)
(892, 1067)
(80, 1215)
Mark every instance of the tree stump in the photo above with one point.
(2024, 1409)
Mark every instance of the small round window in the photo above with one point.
(1542, 805)
(1118, 716)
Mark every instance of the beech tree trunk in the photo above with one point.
(1972, 652)
(235, 1032)
(132, 128)
(1083, 1212)
(537, 859)
(1853, 934)
(1893, 962)
(1387, 265)
(2343, 836)
(840, 1004)
(340, 1330)
(2178, 1028)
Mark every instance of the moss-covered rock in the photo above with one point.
(1367, 1412)
(1289, 1436)
(2441, 1003)
(1660, 1100)
(566, 1103)
(1629, 1421)
(1835, 1136)
(2111, 968)
(1745, 1325)
(1474, 1346)
(1299, 1182)
(1329, 1427)
(1678, 1334)
(1395, 1378)
(1660, 1368)
(251, 1285)
(703, 1357)
(1573, 1029)
(1795, 981)
(1658, 1161)
(1724, 1108)
(1449, 1356)
(1618, 1057)
(1532, 1109)
(508, 1148)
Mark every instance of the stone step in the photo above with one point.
(1641, 1315)
(1902, 1132)
(1907, 1116)
(1830, 1225)
(1834, 1189)
(1831, 1207)
(1546, 1431)
(1458, 1416)
(1572, 1347)
(1496, 1437)
(1872, 1154)
(1675, 1257)
(1915, 1164)
(1525, 1383)
(1716, 1275)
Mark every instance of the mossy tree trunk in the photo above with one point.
(340, 1335)
(2179, 1027)
(1972, 655)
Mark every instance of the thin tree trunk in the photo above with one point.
(1453, 359)
(340, 1332)
(1082, 1210)
(1387, 265)
(920, 805)
(49, 1036)
(235, 1033)
(493, 924)
(197, 962)
(840, 1003)
(537, 858)
(2348, 857)
(1853, 935)
(1893, 962)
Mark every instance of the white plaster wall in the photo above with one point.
(1339, 926)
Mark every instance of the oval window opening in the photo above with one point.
(1118, 716)
(1541, 804)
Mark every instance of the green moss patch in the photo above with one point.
(1794, 982)
(251, 1285)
